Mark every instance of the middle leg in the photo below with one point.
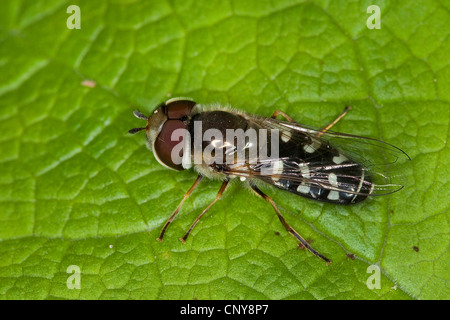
(186, 195)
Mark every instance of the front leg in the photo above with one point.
(218, 196)
(186, 195)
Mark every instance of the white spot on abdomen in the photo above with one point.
(286, 136)
(277, 169)
(339, 159)
(311, 148)
(303, 188)
(333, 195)
(332, 179)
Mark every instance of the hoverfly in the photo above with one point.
(314, 163)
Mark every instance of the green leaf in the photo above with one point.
(77, 189)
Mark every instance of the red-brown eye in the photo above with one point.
(164, 144)
(178, 109)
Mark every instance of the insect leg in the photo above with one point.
(294, 233)
(186, 195)
(278, 112)
(328, 127)
(218, 196)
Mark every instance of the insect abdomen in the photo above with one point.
(350, 177)
(321, 173)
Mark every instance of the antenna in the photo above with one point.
(139, 115)
(135, 130)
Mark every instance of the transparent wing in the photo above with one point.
(377, 159)
(378, 185)
(366, 151)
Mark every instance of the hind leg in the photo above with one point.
(288, 228)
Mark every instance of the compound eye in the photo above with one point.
(164, 145)
(178, 109)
